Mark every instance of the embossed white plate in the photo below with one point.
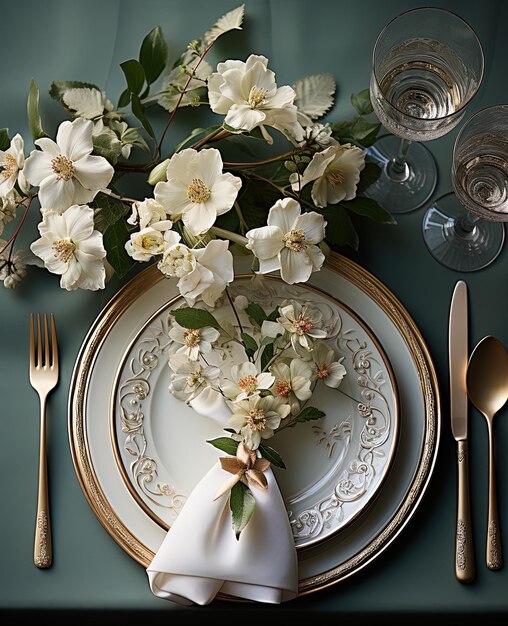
(350, 549)
(335, 465)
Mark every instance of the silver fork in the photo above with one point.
(43, 378)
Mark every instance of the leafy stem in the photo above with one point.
(12, 239)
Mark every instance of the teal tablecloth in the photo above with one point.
(58, 39)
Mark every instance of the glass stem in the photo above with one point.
(397, 169)
(465, 226)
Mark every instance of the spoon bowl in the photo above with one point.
(487, 386)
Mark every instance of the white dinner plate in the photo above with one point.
(92, 397)
(334, 466)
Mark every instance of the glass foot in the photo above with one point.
(418, 184)
(457, 243)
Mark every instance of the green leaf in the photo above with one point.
(242, 504)
(108, 211)
(250, 344)
(358, 131)
(34, 117)
(266, 356)
(226, 444)
(340, 230)
(115, 239)
(107, 145)
(153, 54)
(370, 173)
(195, 318)
(5, 142)
(256, 313)
(124, 99)
(134, 75)
(369, 208)
(274, 315)
(138, 111)
(197, 132)
(308, 414)
(271, 455)
(361, 102)
(133, 137)
(59, 87)
(231, 129)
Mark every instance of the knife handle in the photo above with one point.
(464, 554)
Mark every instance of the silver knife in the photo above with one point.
(458, 358)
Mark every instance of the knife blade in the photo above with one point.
(458, 359)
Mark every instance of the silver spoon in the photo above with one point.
(487, 386)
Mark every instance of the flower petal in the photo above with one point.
(48, 145)
(224, 193)
(79, 221)
(313, 225)
(93, 172)
(56, 194)
(256, 479)
(93, 273)
(243, 117)
(71, 275)
(75, 138)
(38, 167)
(284, 214)
(173, 196)
(208, 166)
(295, 267)
(199, 218)
(265, 242)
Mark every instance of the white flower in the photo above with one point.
(13, 269)
(246, 93)
(190, 378)
(292, 382)
(326, 367)
(196, 188)
(147, 213)
(301, 326)
(12, 162)
(194, 341)
(320, 134)
(289, 242)
(246, 381)
(70, 246)
(152, 240)
(86, 102)
(66, 171)
(159, 172)
(257, 418)
(335, 172)
(8, 206)
(204, 272)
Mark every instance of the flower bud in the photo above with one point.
(158, 174)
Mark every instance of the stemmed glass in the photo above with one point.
(453, 229)
(427, 64)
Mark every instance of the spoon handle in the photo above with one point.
(494, 551)
(464, 554)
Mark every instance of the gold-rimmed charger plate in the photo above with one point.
(335, 466)
(350, 550)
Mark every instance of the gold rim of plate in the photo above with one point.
(397, 314)
(368, 331)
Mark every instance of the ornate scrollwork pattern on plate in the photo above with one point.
(373, 407)
(133, 390)
(339, 432)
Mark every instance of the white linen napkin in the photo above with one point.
(200, 555)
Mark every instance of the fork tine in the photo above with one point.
(32, 341)
(39, 342)
(47, 353)
(54, 361)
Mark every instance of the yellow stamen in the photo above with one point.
(64, 249)
(257, 96)
(192, 337)
(336, 177)
(197, 191)
(282, 388)
(249, 384)
(295, 240)
(256, 420)
(10, 166)
(63, 167)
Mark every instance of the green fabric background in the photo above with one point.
(58, 39)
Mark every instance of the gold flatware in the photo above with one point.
(43, 378)
(487, 385)
(458, 354)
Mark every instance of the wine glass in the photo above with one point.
(453, 229)
(427, 64)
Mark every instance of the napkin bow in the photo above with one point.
(201, 556)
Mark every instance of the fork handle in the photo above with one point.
(43, 553)
(464, 554)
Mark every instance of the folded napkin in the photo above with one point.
(200, 555)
